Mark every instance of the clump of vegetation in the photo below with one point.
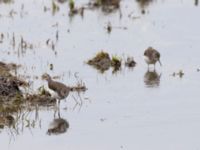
(116, 63)
(71, 5)
(5, 68)
(99, 57)
(115, 3)
(12, 100)
(11, 97)
(9, 88)
(11, 104)
(143, 4)
(180, 73)
(130, 62)
(101, 61)
(43, 91)
(109, 27)
(106, 5)
(7, 120)
(73, 10)
(51, 66)
(43, 98)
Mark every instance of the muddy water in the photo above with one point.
(132, 109)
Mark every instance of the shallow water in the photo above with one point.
(127, 110)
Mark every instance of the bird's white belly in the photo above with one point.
(54, 94)
(147, 60)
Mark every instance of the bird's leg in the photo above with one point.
(57, 109)
(59, 112)
(54, 115)
(154, 67)
(57, 106)
(59, 103)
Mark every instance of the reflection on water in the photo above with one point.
(196, 2)
(106, 6)
(152, 79)
(15, 124)
(30, 119)
(62, 1)
(58, 126)
(144, 3)
(6, 1)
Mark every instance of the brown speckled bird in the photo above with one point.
(60, 89)
(151, 56)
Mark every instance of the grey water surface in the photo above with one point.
(131, 109)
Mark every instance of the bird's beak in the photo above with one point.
(160, 62)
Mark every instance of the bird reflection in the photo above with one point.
(58, 126)
(152, 78)
(196, 2)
